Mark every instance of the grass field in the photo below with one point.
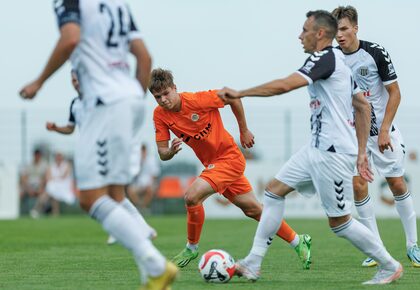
(70, 253)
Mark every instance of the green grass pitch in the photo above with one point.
(71, 253)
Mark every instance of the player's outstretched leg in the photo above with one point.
(300, 243)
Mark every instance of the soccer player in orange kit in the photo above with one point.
(195, 119)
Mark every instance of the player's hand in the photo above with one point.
(29, 91)
(228, 93)
(363, 167)
(384, 141)
(51, 126)
(176, 145)
(247, 139)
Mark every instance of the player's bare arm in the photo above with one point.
(362, 120)
(275, 87)
(167, 152)
(69, 38)
(66, 130)
(384, 140)
(144, 62)
(246, 136)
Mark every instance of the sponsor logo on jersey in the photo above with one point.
(195, 117)
(308, 66)
(363, 71)
(211, 166)
(199, 136)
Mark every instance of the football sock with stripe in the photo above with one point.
(367, 217)
(271, 218)
(363, 239)
(405, 208)
(286, 233)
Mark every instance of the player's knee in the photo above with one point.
(397, 186)
(191, 199)
(253, 213)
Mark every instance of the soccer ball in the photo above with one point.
(216, 266)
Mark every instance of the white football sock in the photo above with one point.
(367, 215)
(118, 222)
(405, 208)
(295, 241)
(363, 239)
(192, 247)
(143, 225)
(269, 224)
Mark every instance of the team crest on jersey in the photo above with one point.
(391, 70)
(363, 71)
(195, 117)
(308, 66)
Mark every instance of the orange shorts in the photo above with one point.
(227, 177)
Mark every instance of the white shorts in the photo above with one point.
(312, 171)
(104, 149)
(135, 159)
(390, 163)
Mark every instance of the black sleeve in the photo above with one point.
(383, 62)
(67, 11)
(320, 65)
(72, 119)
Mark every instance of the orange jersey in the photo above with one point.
(199, 125)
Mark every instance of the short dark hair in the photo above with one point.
(326, 20)
(346, 12)
(161, 79)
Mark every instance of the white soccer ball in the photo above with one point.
(216, 266)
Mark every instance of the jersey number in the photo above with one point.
(111, 39)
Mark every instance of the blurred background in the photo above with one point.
(206, 44)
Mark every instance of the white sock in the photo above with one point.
(269, 224)
(118, 222)
(363, 239)
(295, 241)
(367, 215)
(143, 225)
(192, 247)
(405, 208)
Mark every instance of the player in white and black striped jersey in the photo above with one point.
(326, 166)
(97, 36)
(76, 111)
(374, 72)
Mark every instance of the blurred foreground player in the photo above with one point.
(97, 36)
